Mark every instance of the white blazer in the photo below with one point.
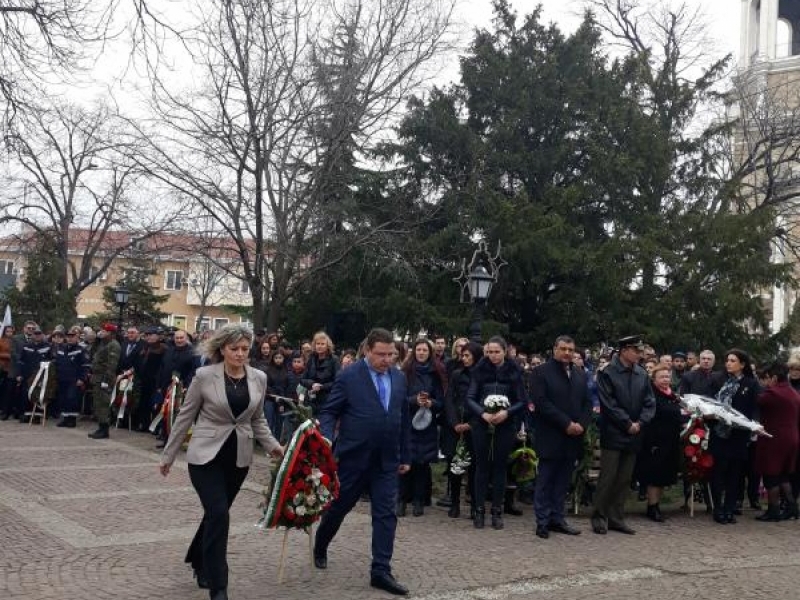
(206, 408)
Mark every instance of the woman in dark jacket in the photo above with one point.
(658, 462)
(426, 385)
(457, 417)
(728, 445)
(321, 370)
(493, 432)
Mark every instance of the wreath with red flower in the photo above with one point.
(698, 461)
(305, 483)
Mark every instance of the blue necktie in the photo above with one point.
(382, 393)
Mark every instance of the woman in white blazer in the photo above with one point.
(224, 405)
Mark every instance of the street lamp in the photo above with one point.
(121, 296)
(477, 279)
(479, 283)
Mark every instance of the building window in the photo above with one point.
(101, 278)
(173, 280)
(244, 287)
(220, 323)
(6, 267)
(204, 324)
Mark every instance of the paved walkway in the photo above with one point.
(84, 519)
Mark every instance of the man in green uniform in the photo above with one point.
(104, 373)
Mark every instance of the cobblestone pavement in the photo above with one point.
(85, 519)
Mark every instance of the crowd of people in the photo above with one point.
(393, 409)
(630, 395)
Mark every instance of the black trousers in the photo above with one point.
(491, 458)
(217, 483)
(726, 481)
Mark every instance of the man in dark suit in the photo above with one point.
(563, 412)
(369, 401)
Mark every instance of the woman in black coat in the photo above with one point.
(493, 432)
(658, 462)
(426, 385)
(728, 445)
(457, 417)
(321, 370)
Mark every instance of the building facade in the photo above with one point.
(769, 71)
(201, 293)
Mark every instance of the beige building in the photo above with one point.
(202, 294)
(769, 66)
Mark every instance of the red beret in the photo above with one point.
(110, 327)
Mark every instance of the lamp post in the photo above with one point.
(480, 284)
(477, 279)
(121, 296)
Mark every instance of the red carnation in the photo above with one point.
(325, 480)
(701, 433)
(706, 461)
(690, 451)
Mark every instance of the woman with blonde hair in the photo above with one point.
(225, 406)
(659, 459)
(321, 369)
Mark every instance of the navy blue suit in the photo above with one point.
(372, 444)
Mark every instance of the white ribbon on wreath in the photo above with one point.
(41, 381)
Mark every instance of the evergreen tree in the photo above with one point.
(41, 298)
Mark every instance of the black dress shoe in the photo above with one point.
(621, 528)
(599, 524)
(387, 583)
(729, 518)
(320, 559)
(218, 594)
(542, 532)
(564, 528)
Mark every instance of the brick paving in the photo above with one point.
(92, 520)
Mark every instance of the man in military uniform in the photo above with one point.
(104, 373)
(627, 404)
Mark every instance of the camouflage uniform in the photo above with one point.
(104, 373)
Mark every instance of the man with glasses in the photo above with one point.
(627, 404)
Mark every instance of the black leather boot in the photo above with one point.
(654, 513)
(455, 496)
(101, 433)
(508, 504)
(480, 518)
(418, 508)
(400, 510)
(772, 513)
(497, 518)
(790, 511)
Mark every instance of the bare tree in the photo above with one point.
(292, 91)
(763, 155)
(68, 178)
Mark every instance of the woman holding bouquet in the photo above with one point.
(456, 428)
(426, 384)
(225, 406)
(496, 395)
(727, 444)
